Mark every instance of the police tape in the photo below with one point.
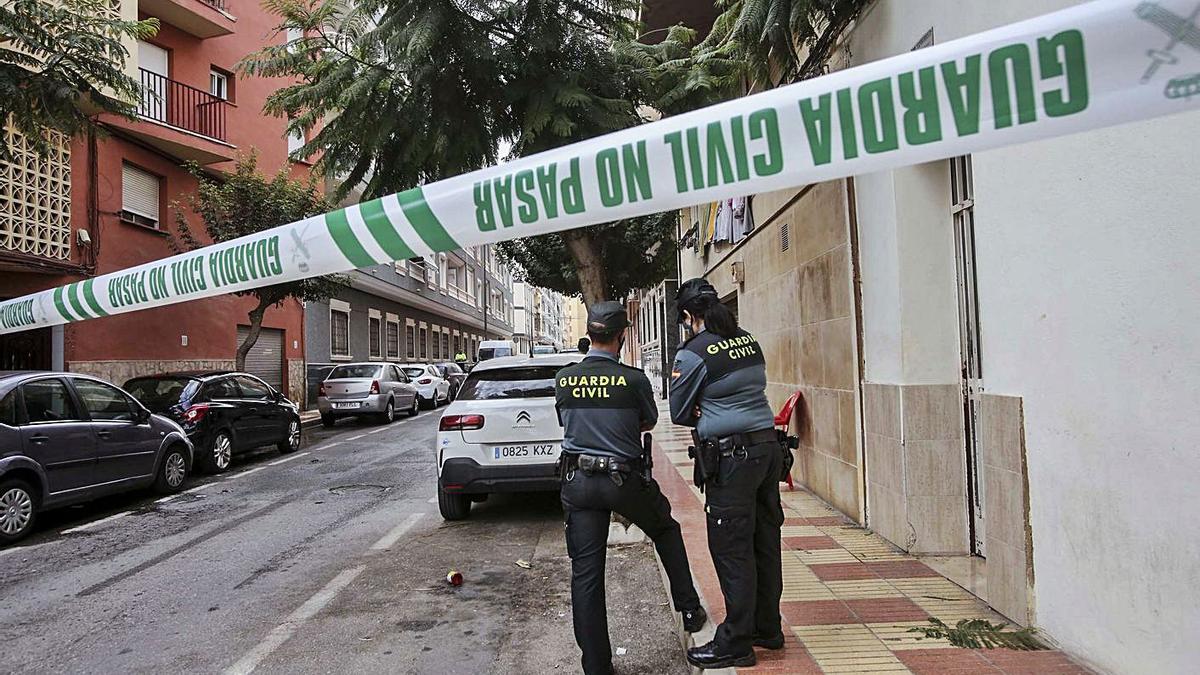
(1094, 65)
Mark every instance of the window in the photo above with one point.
(293, 34)
(424, 343)
(221, 390)
(253, 388)
(8, 409)
(509, 383)
(393, 339)
(339, 333)
(411, 341)
(48, 401)
(218, 84)
(139, 196)
(295, 141)
(104, 402)
(374, 329)
(360, 371)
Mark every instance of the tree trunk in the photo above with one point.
(256, 319)
(593, 279)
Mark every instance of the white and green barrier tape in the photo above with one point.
(1090, 66)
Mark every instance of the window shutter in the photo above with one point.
(139, 192)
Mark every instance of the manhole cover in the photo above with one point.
(360, 487)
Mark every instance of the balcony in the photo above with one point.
(201, 18)
(180, 120)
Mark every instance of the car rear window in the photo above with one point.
(494, 353)
(415, 372)
(160, 393)
(354, 371)
(529, 382)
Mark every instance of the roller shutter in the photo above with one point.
(265, 359)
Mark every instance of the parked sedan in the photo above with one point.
(375, 389)
(223, 413)
(67, 438)
(454, 374)
(433, 387)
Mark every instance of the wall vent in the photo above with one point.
(785, 239)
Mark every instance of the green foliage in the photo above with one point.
(245, 202)
(62, 62)
(981, 634)
(637, 253)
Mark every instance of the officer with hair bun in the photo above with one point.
(718, 386)
(604, 407)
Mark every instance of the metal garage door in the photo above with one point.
(266, 356)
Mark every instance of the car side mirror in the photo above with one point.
(277, 396)
(142, 416)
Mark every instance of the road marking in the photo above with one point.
(355, 438)
(286, 459)
(281, 633)
(164, 500)
(13, 549)
(247, 473)
(97, 523)
(377, 430)
(198, 488)
(398, 531)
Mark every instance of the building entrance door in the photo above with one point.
(27, 350)
(963, 210)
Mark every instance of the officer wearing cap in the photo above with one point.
(604, 408)
(718, 386)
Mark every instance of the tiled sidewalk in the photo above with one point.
(849, 596)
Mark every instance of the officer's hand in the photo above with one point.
(696, 412)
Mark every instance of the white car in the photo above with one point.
(501, 434)
(432, 388)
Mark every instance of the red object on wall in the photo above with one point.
(783, 421)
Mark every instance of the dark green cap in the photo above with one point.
(607, 317)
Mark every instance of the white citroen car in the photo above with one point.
(501, 434)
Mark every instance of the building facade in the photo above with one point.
(540, 317)
(420, 310)
(989, 354)
(100, 204)
(574, 321)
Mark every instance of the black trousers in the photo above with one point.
(744, 518)
(588, 501)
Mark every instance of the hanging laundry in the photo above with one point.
(724, 226)
(743, 218)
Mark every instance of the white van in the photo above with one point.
(490, 349)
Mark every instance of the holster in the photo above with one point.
(705, 456)
(786, 445)
(647, 458)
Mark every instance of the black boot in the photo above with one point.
(694, 619)
(769, 642)
(712, 656)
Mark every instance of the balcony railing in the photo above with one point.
(176, 104)
(215, 4)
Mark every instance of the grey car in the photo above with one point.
(67, 438)
(375, 389)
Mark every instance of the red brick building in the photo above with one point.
(106, 203)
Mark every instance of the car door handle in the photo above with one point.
(103, 434)
(253, 410)
(39, 438)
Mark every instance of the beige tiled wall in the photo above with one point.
(798, 304)
(1008, 541)
(916, 472)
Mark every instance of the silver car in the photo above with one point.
(376, 389)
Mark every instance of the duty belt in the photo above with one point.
(730, 444)
(598, 464)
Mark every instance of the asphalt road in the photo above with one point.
(328, 560)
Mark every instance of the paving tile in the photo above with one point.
(1031, 663)
(843, 572)
(946, 662)
(880, 610)
(816, 612)
(811, 543)
(901, 569)
(858, 589)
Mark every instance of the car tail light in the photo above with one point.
(195, 413)
(461, 423)
(424, 380)
(321, 389)
(374, 386)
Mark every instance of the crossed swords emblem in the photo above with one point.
(1179, 29)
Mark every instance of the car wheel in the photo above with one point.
(389, 413)
(453, 506)
(416, 407)
(328, 420)
(292, 442)
(172, 472)
(18, 510)
(220, 452)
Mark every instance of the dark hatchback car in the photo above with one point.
(454, 374)
(68, 438)
(223, 413)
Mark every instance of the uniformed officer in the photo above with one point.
(718, 386)
(604, 408)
